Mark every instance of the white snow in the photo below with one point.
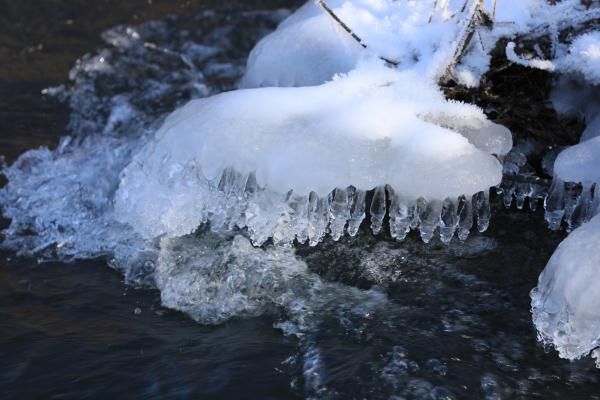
(310, 47)
(583, 57)
(579, 163)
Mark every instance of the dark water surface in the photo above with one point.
(456, 323)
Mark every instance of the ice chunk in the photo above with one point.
(367, 129)
(566, 301)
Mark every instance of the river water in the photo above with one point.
(379, 319)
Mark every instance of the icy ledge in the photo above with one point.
(296, 163)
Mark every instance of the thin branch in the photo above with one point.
(476, 16)
(346, 28)
(432, 11)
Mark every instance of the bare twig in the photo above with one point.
(435, 4)
(475, 16)
(346, 28)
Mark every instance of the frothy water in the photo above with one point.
(373, 318)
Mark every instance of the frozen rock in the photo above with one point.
(233, 159)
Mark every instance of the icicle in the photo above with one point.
(378, 207)
(449, 220)
(339, 212)
(507, 197)
(317, 218)
(400, 216)
(357, 212)
(482, 210)
(298, 217)
(572, 194)
(523, 192)
(416, 212)
(235, 200)
(465, 217)
(430, 219)
(267, 216)
(281, 232)
(555, 204)
(251, 185)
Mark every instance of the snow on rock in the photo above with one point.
(372, 127)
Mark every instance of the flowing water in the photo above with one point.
(365, 317)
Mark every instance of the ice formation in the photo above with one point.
(224, 160)
(576, 171)
(295, 163)
(566, 300)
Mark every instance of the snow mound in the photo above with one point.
(323, 39)
(242, 154)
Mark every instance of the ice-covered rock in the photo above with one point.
(234, 158)
(566, 301)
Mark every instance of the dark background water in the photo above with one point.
(77, 331)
